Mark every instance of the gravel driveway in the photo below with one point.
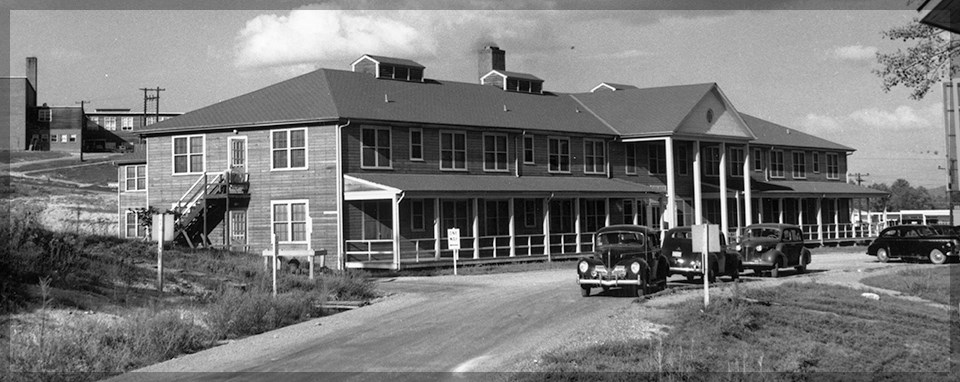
(499, 322)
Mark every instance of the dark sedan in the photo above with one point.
(627, 257)
(937, 243)
(769, 247)
(678, 249)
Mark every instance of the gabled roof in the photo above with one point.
(800, 187)
(612, 86)
(331, 95)
(646, 111)
(391, 61)
(517, 75)
(772, 134)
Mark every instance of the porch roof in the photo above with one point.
(369, 186)
(796, 188)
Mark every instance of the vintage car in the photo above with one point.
(678, 249)
(625, 256)
(769, 247)
(937, 243)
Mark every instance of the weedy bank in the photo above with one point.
(929, 282)
(82, 307)
(795, 330)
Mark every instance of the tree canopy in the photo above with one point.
(903, 196)
(921, 65)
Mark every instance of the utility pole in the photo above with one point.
(83, 124)
(155, 99)
(859, 177)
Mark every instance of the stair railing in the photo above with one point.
(196, 192)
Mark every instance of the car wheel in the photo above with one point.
(690, 277)
(801, 268)
(937, 257)
(882, 255)
(585, 291)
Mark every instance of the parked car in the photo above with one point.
(625, 256)
(937, 243)
(678, 249)
(770, 247)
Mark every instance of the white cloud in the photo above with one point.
(855, 53)
(903, 117)
(820, 125)
(311, 35)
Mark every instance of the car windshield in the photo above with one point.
(772, 233)
(620, 238)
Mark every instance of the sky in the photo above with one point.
(804, 66)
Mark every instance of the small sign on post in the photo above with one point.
(162, 230)
(705, 239)
(453, 242)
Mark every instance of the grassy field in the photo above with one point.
(85, 304)
(7, 156)
(807, 328)
(100, 174)
(39, 166)
(929, 283)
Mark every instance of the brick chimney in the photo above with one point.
(31, 71)
(491, 58)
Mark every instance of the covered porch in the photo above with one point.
(394, 221)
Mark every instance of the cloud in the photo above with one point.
(903, 117)
(310, 35)
(820, 125)
(855, 53)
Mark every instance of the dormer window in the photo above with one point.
(513, 82)
(389, 68)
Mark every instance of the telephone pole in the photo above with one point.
(859, 177)
(156, 101)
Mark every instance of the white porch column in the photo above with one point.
(820, 219)
(747, 193)
(800, 217)
(546, 227)
(606, 207)
(512, 228)
(697, 184)
(576, 223)
(636, 212)
(760, 210)
(436, 228)
(476, 228)
(395, 232)
(736, 194)
(724, 209)
(671, 184)
(780, 210)
(836, 218)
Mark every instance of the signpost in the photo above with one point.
(162, 230)
(706, 239)
(453, 242)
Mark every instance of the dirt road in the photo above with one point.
(456, 324)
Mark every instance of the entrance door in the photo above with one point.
(238, 228)
(237, 154)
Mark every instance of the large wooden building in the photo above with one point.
(374, 164)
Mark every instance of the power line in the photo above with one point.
(859, 177)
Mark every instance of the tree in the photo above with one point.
(902, 196)
(922, 65)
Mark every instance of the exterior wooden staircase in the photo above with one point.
(204, 206)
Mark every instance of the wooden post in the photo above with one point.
(160, 256)
(276, 249)
(203, 235)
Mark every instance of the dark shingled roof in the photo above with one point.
(769, 133)
(648, 111)
(505, 184)
(797, 187)
(395, 61)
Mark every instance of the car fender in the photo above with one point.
(806, 257)
(774, 255)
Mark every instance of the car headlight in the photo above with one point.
(759, 248)
(739, 247)
(635, 268)
(583, 267)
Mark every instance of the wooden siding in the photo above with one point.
(317, 183)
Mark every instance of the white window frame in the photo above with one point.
(136, 225)
(711, 161)
(73, 137)
(773, 169)
(653, 151)
(418, 216)
(64, 138)
(53, 138)
(630, 159)
(289, 203)
(528, 147)
(150, 120)
(44, 115)
(599, 156)
(757, 159)
(418, 144)
(681, 160)
(137, 176)
(454, 151)
(174, 155)
(110, 123)
(289, 150)
(799, 170)
(126, 123)
(559, 155)
(376, 147)
(94, 119)
(737, 155)
(816, 161)
(505, 153)
(833, 173)
(530, 217)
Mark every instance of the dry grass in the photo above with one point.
(927, 283)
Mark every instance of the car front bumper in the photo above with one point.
(607, 282)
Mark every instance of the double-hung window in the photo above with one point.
(135, 178)
(375, 151)
(594, 156)
(528, 149)
(711, 161)
(289, 148)
(416, 144)
(776, 164)
(110, 123)
(417, 215)
(559, 154)
(126, 123)
(453, 150)
(680, 159)
(630, 155)
(799, 165)
(289, 219)
(833, 166)
(757, 160)
(45, 115)
(656, 159)
(494, 152)
(188, 154)
(736, 161)
(816, 162)
(132, 226)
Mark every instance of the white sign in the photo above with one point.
(705, 235)
(167, 224)
(453, 238)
